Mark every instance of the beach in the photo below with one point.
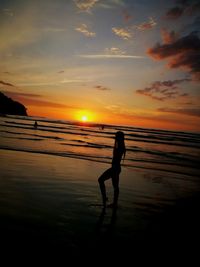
(53, 202)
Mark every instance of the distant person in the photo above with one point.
(35, 125)
(101, 127)
(119, 151)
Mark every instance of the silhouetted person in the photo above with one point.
(35, 125)
(119, 150)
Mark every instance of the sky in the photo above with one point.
(106, 61)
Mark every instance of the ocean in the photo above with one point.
(153, 149)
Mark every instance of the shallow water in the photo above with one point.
(146, 148)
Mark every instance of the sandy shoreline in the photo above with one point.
(53, 201)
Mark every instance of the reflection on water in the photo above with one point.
(146, 148)
(57, 201)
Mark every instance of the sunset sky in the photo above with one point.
(113, 61)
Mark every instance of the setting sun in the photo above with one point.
(84, 118)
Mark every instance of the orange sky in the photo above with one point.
(125, 69)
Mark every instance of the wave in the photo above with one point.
(157, 138)
(37, 135)
(170, 156)
(156, 166)
(151, 149)
(46, 130)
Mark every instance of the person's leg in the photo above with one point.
(115, 182)
(105, 176)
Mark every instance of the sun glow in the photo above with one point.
(84, 116)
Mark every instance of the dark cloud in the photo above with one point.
(8, 84)
(194, 26)
(102, 88)
(61, 71)
(174, 12)
(181, 53)
(163, 90)
(185, 111)
(183, 8)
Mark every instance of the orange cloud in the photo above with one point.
(168, 37)
(123, 33)
(147, 25)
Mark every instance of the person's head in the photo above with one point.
(119, 136)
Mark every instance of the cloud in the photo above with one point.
(181, 53)
(83, 28)
(18, 94)
(185, 111)
(123, 33)
(42, 103)
(113, 52)
(183, 7)
(85, 5)
(74, 81)
(163, 90)
(109, 4)
(7, 72)
(194, 26)
(168, 37)
(101, 88)
(127, 33)
(147, 25)
(102, 56)
(28, 99)
(8, 84)
(174, 12)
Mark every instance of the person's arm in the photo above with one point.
(124, 154)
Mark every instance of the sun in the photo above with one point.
(84, 118)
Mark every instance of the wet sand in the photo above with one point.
(54, 203)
